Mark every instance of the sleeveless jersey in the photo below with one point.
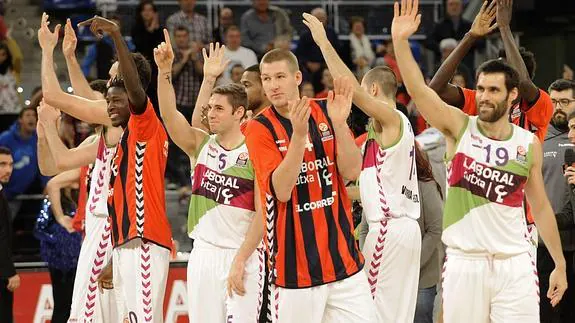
(486, 180)
(222, 201)
(388, 179)
(85, 177)
(100, 177)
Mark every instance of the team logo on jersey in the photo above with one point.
(242, 160)
(212, 151)
(166, 145)
(281, 145)
(325, 133)
(521, 154)
(516, 112)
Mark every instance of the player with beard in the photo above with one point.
(492, 165)
(556, 142)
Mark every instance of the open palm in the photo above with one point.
(406, 20)
(215, 61)
(315, 27)
(46, 38)
(339, 100)
(69, 42)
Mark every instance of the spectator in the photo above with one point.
(430, 221)
(452, 26)
(9, 279)
(237, 54)
(147, 33)
(102, 54)
(9, 98)
(362, 54)
(13, 49)
(562, 93)
(187, 71)
(21, 139)
(196, 24)
(309, 55)
(307, 89)
(389, 60)
(261, 24)
(226, 20)
(446, 47)
(236, 73)
(326, 82)
(59, 246)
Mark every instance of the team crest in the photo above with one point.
(515, 112)
(521, 154)
(242, 160)
(324, 131)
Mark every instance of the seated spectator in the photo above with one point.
(22, 140)
(306, 89)
(452, 26)
(197, 25)
(362, 54)
(309, 55)
(226, 19)
(9, 98)
(326, 82)
(261, 24)
(13, 49)
(101, 54)
(237, 54)
(236, 73)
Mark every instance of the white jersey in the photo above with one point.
(484, 211)
(388, 179)
(98, 195)
(222, 202)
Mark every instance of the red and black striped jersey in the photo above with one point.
(310, 238)
(136, 201)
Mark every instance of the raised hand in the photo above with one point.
(482, 24)
(69, 42)
(405, 19)
(47, 114)
(99, 26)
(46, 38)
(299, 112)
(316, 28)
(215, 62)
(504, 12)
(164, 54)
(339, 100)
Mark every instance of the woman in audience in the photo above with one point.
(362, 54)
(9, 98)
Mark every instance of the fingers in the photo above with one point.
(167, 36)
(492, 9)
(408, 7)
(492, 28)
(395, 10)
(86, 22)
(402, 8)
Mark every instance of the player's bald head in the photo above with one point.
(384, 78)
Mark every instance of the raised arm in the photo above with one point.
(381, 111)
(338, 107)
(449, 120)
(127, 66)
(66, 179)
(546, 224)
(480, 28)
(527, 90)
(79, 83)
(64, 158)
(80, 108)
(185, 136)
(214, 65)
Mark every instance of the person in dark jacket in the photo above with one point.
(9, 279)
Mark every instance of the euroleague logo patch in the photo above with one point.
(242, 160)
(324, 131)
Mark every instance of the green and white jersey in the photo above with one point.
(484, 209)
(222, 201)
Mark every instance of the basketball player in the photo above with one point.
(222, 219)
(301, 154)
(141, 234)
(87, 303)
(492, 164)
(388, 187)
